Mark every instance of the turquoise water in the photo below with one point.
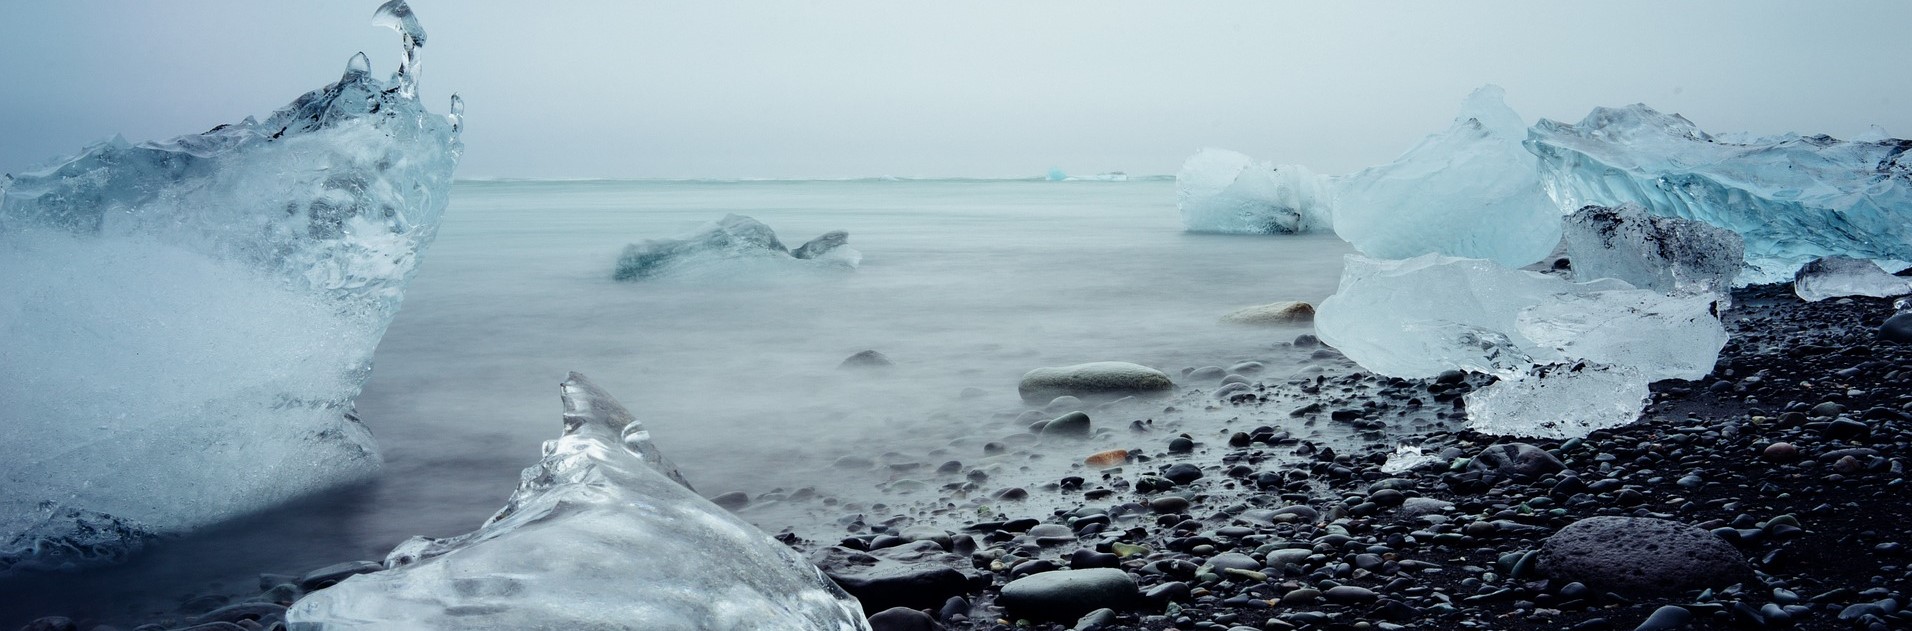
(964, 284)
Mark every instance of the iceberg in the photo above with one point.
(1791, 198)
(1838, 276)
(733, 240)
(601, 534)
(1471, 191)
(1418, 317)
(1665, 254)
(1226, 192)
(185, 324)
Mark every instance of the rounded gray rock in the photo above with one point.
(1104, 379)
(1068, 594)
(1519, 460)
(1641, 555)
(1072, 425)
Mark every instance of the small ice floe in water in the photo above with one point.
(601, 533)
(1791, 198)
(1470, 191)
(1226, 192)
(1665, 254)
(1541, 335)
(734, 239)
(1407, 458)
(187, 322)
(1838, 276)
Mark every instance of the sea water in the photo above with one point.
(963, 284)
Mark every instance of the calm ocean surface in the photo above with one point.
(963, 284)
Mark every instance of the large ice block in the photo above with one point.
(1791, 198)
(184, 324)
(601, 534)
(1665, 254)
(1470, 191)
(1222, 191)
(1838, 276)
(1585, 351)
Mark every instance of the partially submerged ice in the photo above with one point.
(1665, 254)
(601, 534)
(184, 324)
(1227, 192)
(1791, 198)
(733, 240)
(1838, 276)
(1471, 191)
(1419, 317)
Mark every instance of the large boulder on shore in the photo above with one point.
(1093, 380)
(1290, 313)
(1067, 594)
(916, 575)
(1641, 555)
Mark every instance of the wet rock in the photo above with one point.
(1290, 313)
(331, 574)
(1068, 594)
(1105, 379)
(915, 575)
(866, 359)
(1518, 460)
(1641, 555)
(903, 619)
(732, 501)
(1074, 425)
(1897, 328)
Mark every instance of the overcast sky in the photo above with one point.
(986, 89)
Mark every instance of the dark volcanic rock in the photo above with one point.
(1897, 328)
(916, 575)
(1071, 425)
(903, 619)
(866, 359)
(1068, 594)
(1641, 555)
(1519, 460)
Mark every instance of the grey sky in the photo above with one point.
(833, 89)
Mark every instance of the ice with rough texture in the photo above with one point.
(1558, 401)
(184, 324)
(1471, 191)
(1226, 192)
(733, 240)
(601, 534)
(1665, 254)
(1838, 276)
(1791, 198)
(1418, 317)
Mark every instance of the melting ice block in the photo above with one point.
(1418, 317)
(1791, 198)
(1838, 276)
(184, 324)
(1226, 192)
(1471, 191)
(732, 241)
(1665, 254)
(601, 534)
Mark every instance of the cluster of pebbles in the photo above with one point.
(1770, 495)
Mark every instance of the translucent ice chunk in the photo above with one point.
(184, 324)
(1558, 401)
(397, 15)
(1406, 458)
(1838, 276)
(733, 240)
(1471, 191)
(1223, 191)
(599, 535)
(1666, 254)
(1791, 198)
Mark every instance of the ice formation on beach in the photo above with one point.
(1665, 254)
(601, 534)
(185, 324)
(1791, 198)
(1470, 191)
(1226, 192)
(1558, 401)
(734, 240)
(1838, 276)
(1418, 317)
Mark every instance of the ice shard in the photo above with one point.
(1665, 254)
(1418, 317)
(1791, 198)
(1226, 192)
(1471, 191)
(1838, 276)
(601, 534)
(184, 324)
(728, 244)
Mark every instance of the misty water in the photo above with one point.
(964, 284)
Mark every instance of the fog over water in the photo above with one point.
(998, 89)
